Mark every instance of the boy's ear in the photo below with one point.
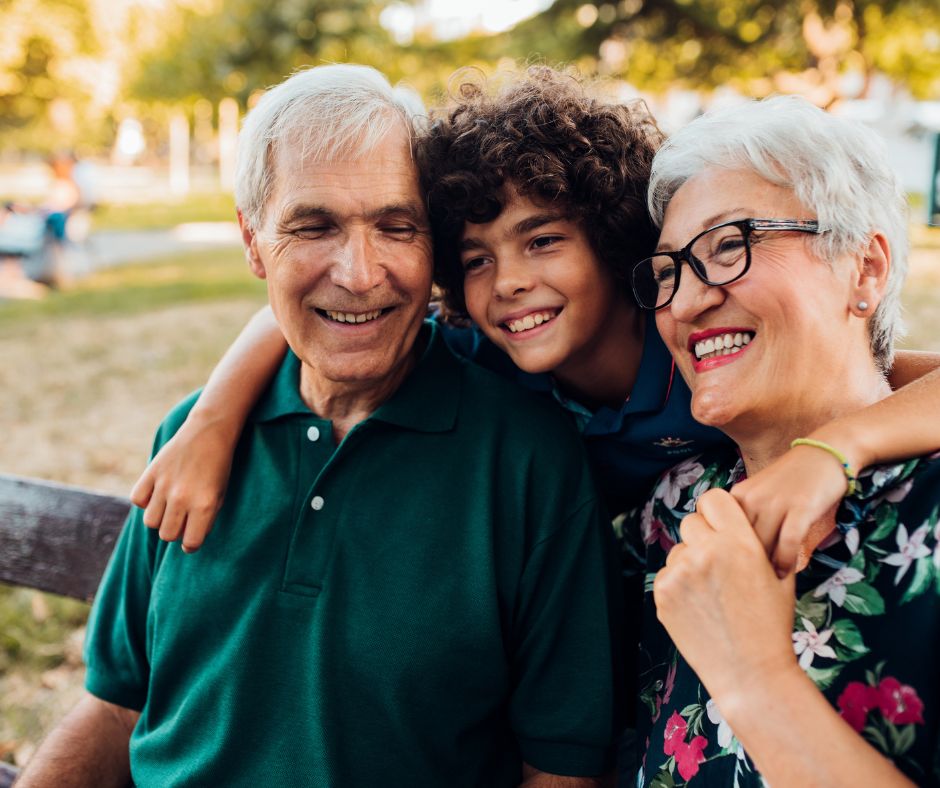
(250, 239)
(871, 278)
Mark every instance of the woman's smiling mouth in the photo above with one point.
(717, 347)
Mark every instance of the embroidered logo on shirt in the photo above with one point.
(672, 443)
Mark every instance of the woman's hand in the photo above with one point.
(722, 604)
(183, 487)
(791, 504)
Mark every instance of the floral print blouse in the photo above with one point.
(866, 629)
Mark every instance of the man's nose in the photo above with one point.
(513, 276)
(358, 266)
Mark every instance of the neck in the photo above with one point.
(604, 374)
(347, 403)
(763, 440)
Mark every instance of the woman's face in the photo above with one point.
(791, 310)
(534, 286)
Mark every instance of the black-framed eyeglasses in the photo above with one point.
(719, 255)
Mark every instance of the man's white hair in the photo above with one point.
(835, 167)
(328, 110)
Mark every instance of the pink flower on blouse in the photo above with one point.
(689, 756)
(674, 735)
(855, 702)
(899, 702)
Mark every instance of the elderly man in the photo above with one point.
(409, 582)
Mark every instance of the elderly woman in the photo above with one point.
(776, 283)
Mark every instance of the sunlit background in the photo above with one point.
(130, 108)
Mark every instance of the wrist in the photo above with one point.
(205, 417)
(850, 440)
(744, 704)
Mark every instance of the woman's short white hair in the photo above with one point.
(835, 167)
(326, 109)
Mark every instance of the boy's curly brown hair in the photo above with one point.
(555, 144)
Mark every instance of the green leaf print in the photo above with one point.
(876, 737)
(886, 516)
(851, 645)
(864, 599)
(824, 677)
(812, 608)
(923, 574)
(902, 740)
(663, 780)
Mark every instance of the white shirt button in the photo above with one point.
(313, 434)
(316, 503)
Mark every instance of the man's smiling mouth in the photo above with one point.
(353, 317)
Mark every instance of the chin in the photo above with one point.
(712, 409)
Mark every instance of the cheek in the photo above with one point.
(476, 297)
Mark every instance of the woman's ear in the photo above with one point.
(871, 276)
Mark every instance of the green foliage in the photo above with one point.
(241, 46)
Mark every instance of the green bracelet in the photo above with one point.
(843, 461)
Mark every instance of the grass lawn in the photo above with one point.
(212, 207)
(87, 375)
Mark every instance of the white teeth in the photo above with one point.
(529, 321)
(352, 317)
(722, 345)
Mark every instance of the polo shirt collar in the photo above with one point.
(426, 401)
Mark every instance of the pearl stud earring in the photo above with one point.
(862, 306)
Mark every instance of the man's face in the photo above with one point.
(345, 248)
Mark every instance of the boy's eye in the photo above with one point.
(544, 241)
(473, 263)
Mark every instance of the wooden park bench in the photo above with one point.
(55, 538)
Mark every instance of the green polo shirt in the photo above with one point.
(429, 604)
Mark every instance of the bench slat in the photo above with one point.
(56, 538)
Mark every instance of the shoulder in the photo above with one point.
(174, 419)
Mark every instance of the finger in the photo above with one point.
(675, 554)
(174, 518)
(722, 511)
(767, 526)
(198, 525)
(787, 550)
(694, 529)
(143, 489)
(153, 514)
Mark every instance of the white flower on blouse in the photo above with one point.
(852, 539)
(725, 734)
(680, 477)
(909, 550)
(810, 643)
(834, 587)
(936, 550)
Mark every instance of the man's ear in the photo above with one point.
(871, 276)
(250, 239)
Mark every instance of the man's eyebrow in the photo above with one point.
(302, 211)
(711, 221)
(407, 210)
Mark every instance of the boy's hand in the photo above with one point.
(791, 502)
(183, 487)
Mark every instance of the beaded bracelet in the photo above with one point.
(850, 477)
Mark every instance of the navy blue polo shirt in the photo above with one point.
(629, 447)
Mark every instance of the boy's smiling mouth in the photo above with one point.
(521, 324)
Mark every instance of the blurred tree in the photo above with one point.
(829, 48)
(237, 47)
(43, 89)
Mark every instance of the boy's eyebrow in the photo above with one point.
(522, 227)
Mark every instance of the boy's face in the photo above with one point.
(535, 287)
